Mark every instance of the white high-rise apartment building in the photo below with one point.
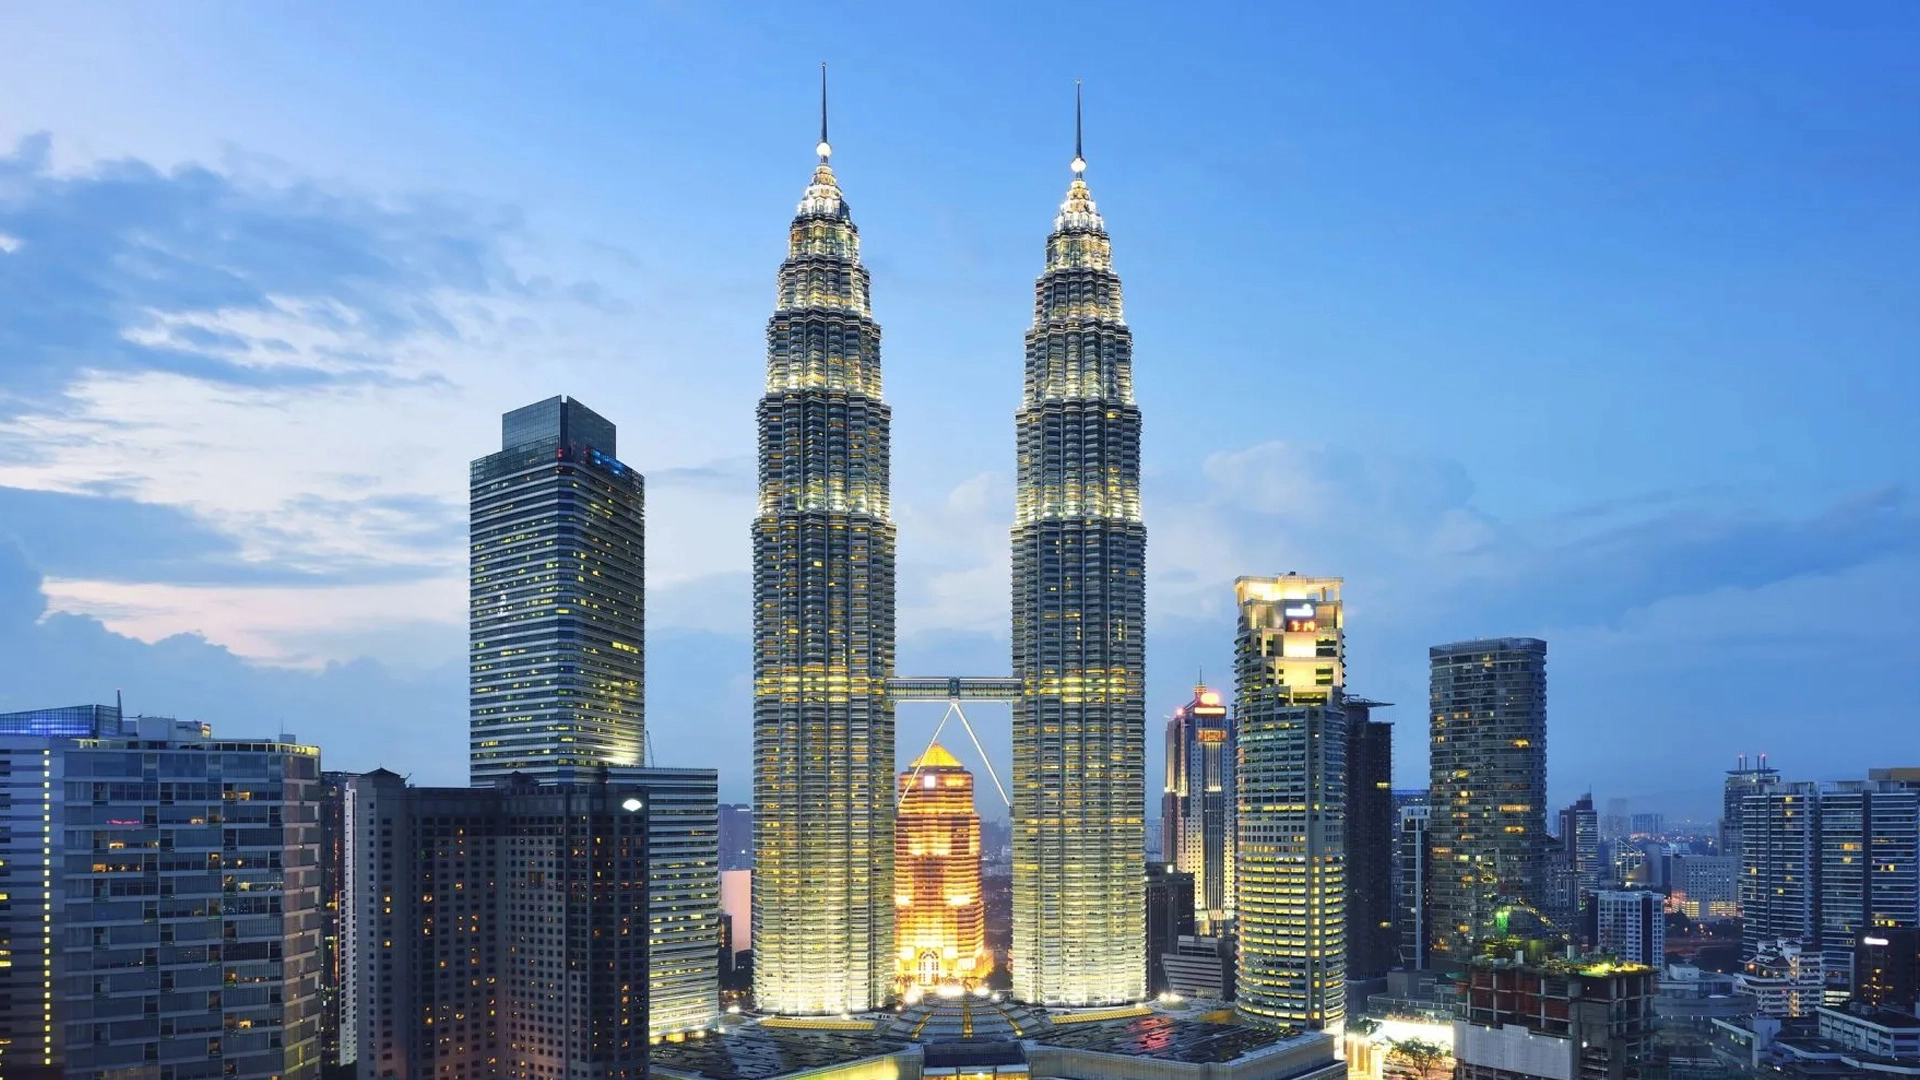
(1631, 924)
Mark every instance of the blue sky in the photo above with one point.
(1591, 324)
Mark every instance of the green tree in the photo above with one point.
(1426, 1060)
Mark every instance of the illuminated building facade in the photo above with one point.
(823, 589)
(159, 900)
(1079, 623)
(1869, 873)
(1488, 762)
(1289, 668)
(1196, 809)
(939, 922)
(556, 614)
(497, 932)
(1779, 857)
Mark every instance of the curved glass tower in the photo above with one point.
(1079, 606)
(823, 590)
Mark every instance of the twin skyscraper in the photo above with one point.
(824, 631)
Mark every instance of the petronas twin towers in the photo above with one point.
(824, 679)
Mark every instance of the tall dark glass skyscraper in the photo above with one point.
(1489, 784)
(556, 676)
(1370, 824)
(823, 592)
(1079, 606)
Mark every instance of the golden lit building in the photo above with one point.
(939, 922)
(1291, 778)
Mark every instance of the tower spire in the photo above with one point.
(825, 149)
(1079, 159)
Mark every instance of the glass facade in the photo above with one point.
(1371, 818)
(1289, 668)
(1079, 634)
(823, 594)
(557, 598)
(1198, 805)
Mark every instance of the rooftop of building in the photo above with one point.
(754, 1051)
(1891, 1019)
(965, 1027)
(1210, 1039)
(1597, 967)
(1488, 645)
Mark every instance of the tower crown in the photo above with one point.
(936, 757)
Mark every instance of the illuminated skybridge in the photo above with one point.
(954, 689)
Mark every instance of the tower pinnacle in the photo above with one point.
(1079, 159)
(825, 149)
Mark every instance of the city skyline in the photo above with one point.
(173, 507)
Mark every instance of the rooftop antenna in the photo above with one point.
(1079, 158)
(825, 149)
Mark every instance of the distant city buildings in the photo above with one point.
(1823, 863)
(1707, 886)
(1197, 805)
(1631, 925)
(1616, 823)
(1783, 979)
(1289, 659)
(1489, 784)
(160, 900)
(557, 661)
(736, 836)
(1740, 781)
(940, 920)
(497, 931)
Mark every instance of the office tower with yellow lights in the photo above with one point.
(1289, 670)
(1079, 606)
(939, 921)
(823, 637)
(1196, 809)
(556, 621)
(1488, 759)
